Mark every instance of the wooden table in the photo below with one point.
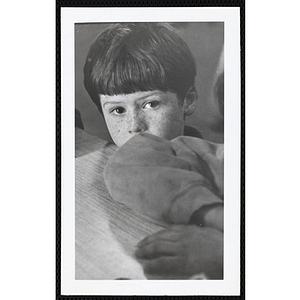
(106, 231)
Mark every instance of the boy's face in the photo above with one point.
(155, 112)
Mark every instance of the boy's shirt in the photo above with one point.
(167, 180)
(191, 131)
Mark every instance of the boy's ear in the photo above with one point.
(190, 101)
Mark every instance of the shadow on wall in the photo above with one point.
(206, 43)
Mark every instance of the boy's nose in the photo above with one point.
(136, 124)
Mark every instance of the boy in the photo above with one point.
(141, 77)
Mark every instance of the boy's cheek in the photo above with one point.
(170, 127)
(116, 131)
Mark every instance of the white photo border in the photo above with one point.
(231, 283)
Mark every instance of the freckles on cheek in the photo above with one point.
(114, 127)
(161, 124)
(163, 121)
(119, 127)
(169, 118)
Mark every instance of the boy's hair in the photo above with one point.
(135, 57)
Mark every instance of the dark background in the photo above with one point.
(205, 40)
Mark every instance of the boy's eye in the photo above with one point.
(151, 104)
(118, 111)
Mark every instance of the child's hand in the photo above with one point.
(182, 251)
(209, 216)
(214, 217)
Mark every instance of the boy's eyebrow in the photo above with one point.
(150, 95)
(112, 102)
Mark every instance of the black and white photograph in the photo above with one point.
(151, 151)
(78, 220)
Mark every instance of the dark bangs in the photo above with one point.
(134, 57)
(128, 72)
